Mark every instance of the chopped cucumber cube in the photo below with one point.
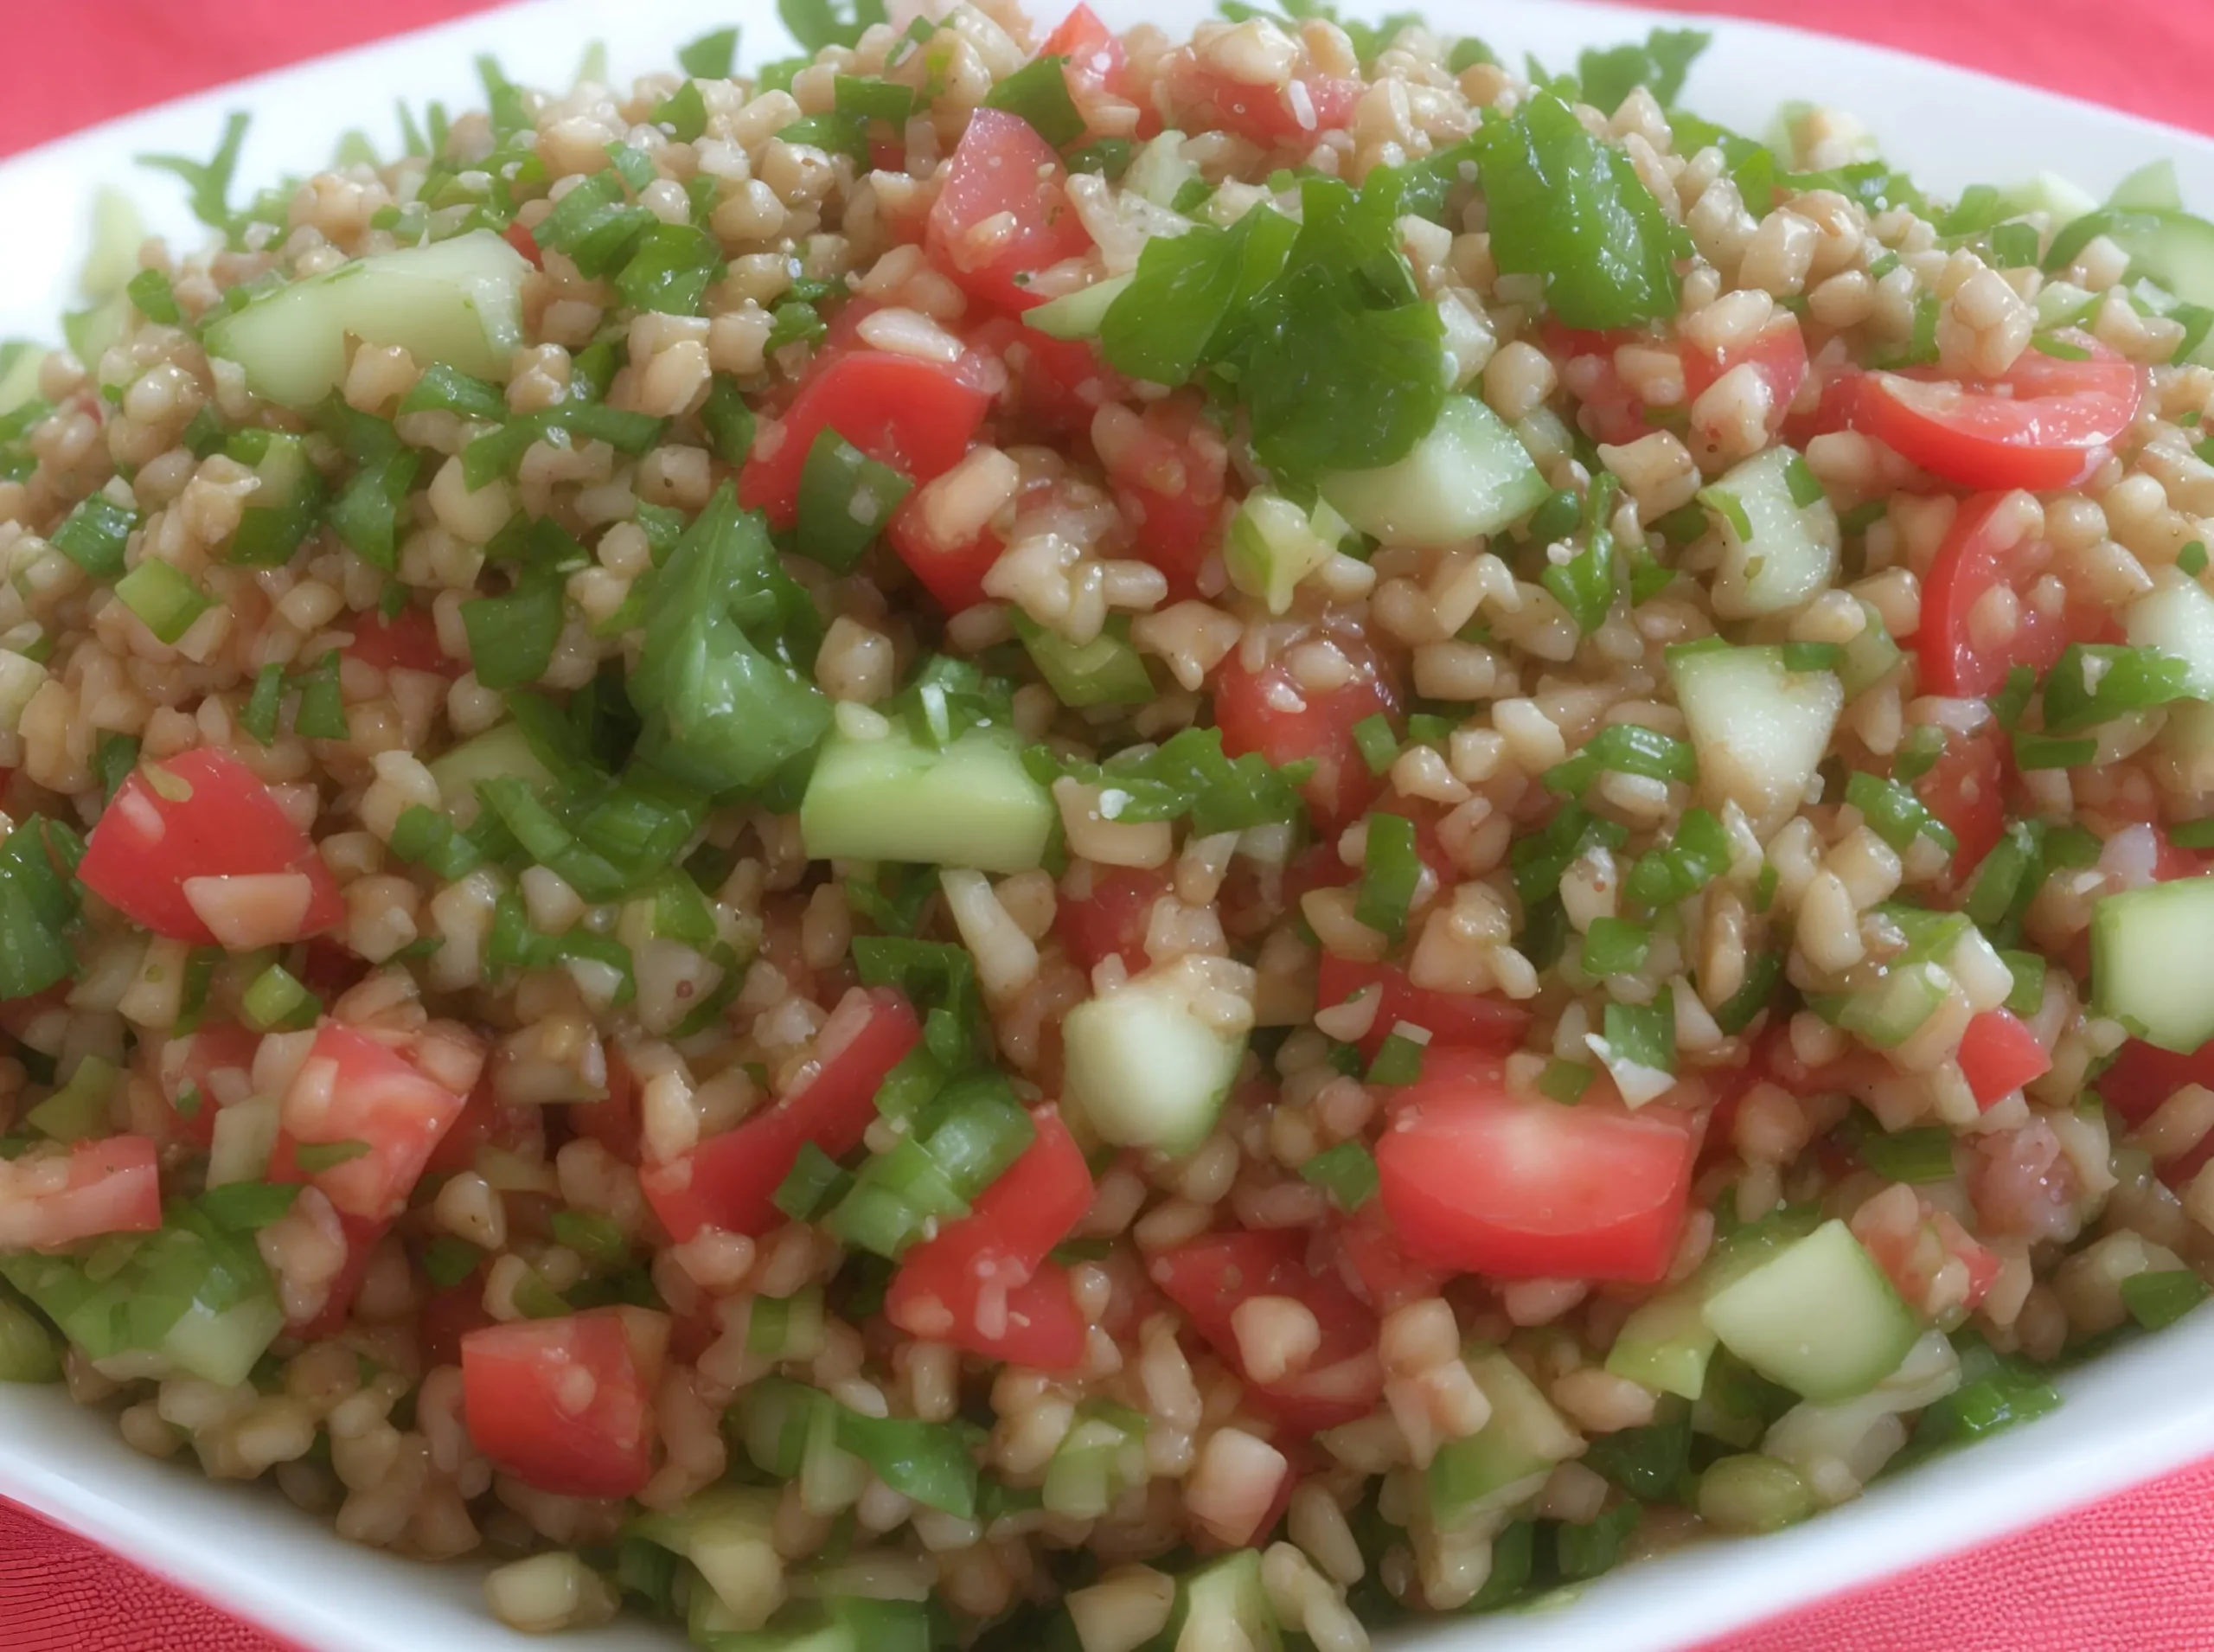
(1222, 1607)
(1272, 545)
(1790, 555)
(1819, 1316)
(1471, 474)
(1760, 729)
(2177, 617)
(2146, 962)
(893, 798)
(1078, 314)
(1143, 1068)
(499, 752)
(1159, 171)
(1509, 1457)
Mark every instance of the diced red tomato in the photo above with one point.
(406, 642)
(1001, 166)
(486, 1121)
(449, 1313)
(205, 816)
(1612, 411)
(1777, 353)
(1982, 552)
(1053, 384)
(1210, 1277)
(614, 1122)
(729, 1181)
(2141, 1076)
(355, 1090)
(1481, 1180)
(1965, 788)
(1915, 1256)
(2044, 424)
(1297, 113)
(566, 1404)
(1265, 711)
(1371, 1260)
(361, 1235)
(523, 242)
(914, 415)
(954, 574)
(215, 1063)
(1111, 921)
(328, 969)
(1097, 65)
(1454, 1019)
(1840, 392)
(1998, 1055)
(966, 1286)
(114, 1187)
(2024, 1182)
(1170, 478)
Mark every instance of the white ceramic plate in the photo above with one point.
(2147, 1409)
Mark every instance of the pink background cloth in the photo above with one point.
(2134, 1574)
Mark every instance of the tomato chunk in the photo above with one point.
(406, 642)
(1965, 788)
(1937, 1267)
(967, 1286)
(2045, 423)
(110, 1186)
(1296, 113)
(1265, 711)
(1210, 1277)
(614, 1122)
(914, 415)
(1481, 1180)
(1002, 212)
(359, 1121)
(1111, 921)
(1170, 472)
(486, 1121)
(1984, 550)
(1096, 66)
(1454, 1019)
(730, 1180)
(203, 819)
(954, 574)
(566, 1404)
(1998, 1055)
(200, 1072)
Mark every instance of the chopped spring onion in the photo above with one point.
(2192, 557)
(38, 903)
(2013, 698)
(1644, 1034)
(366, 514)
(1587, 1549)
(1918, 753)
(671, 270)
(1564, 1081)
(243, 1207)
(448, 1260)
(967, 1135)
(1347, 1172)
(728, 421)
(423, 837)
(712, 57)
(1812, 656)
(1538, 860)
(1915, 1155)
(150, 292)
(1895, 814)
(79, 1110)
(1615, 946)
(1762, 971)
(1110, 158)
(2028, 970)
(2158, 1300)
(683, 113)
(1800, 479)
(1730, 509)
(845, 500)
(93, 535)
(928, 1463)
(1997, 1391)
(1039, 92)
(813, 1186)
(786, 1328)
(1380, 746)
(321, 712)
(2015, 245)
(1586, 583)
(594, 225)
(2095, 682)
(1693, 858)
(1398, 1060)
(536, 1299)
(512, 638)
(1390, 872)
(447, 389)
(113, 758)
(2009, 875)
(1625, 748)
(873, 99)
(277, 999)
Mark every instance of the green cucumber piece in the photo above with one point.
(1142, 1068)
(1868, 658)
(457, 301)
(1471, 474)
(2177, 617)
(222, 1348)
(1508, 1458)
(1665, 1343)
(1222, 1607)
(1792, 554)
(2147, 969)
(19, 365)
(1273, 545)
(500, 753)
(1105, 671)
(1819, 1317)
(2152, 187)
(1759, 729)
(1158, 172)
(2061, 201)
(893, 798)
(2172, 249)
(1078, 314)
(724, 1533)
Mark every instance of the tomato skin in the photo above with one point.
(144, 846)
(1249, 709)
(969, 1285)
(1370, 1260)
(1777, 354)
(449, 1313)
(1271, 115)
(1611, 411)
(1209, 1276)
(485, 1121)
(1171, 478)
(1002, 165)
(1914, 1258)
(114, 1186)
(954, 574)
(353, 1088)
(2141, 1076)
(1965, 788)
(1111, 921)
(614, 1122)
(1998, 1055)
(1970, 562)
(914, 415)
(1096, 64)
(512, 1394)
(728, 1181)
(1055, 385)
(1455, 1020)
(2043, 424)
(1480, 1180)
(519, 237)
(407, 642)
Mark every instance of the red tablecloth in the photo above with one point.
(2130, 1575)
